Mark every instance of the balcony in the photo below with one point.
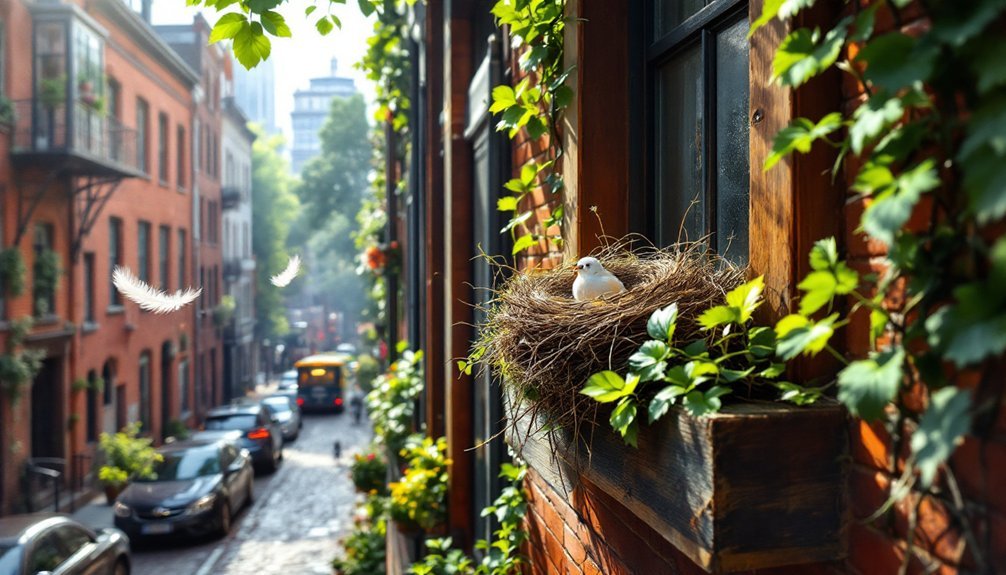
(230, 197)
(232, 269)
(78, 138)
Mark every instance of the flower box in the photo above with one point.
(753, 486)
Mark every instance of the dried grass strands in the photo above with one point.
(545, 345)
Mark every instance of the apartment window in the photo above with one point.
(44, 272)
(113, 107)
(143, 252)
(92, 406)
(697, 81)
(163, 255)
(180, 157)
(142, 147)
(197, 143)
(114, 258)
(89, 287)
(162, 148)
(108, 374)
(181, 259)
(146, 416)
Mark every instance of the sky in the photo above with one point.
(306, 55)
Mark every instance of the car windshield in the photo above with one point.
(10, 558)
(277, 404)
(187, 464)
(239, 421)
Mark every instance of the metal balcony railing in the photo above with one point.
(83, 134)
(230, 197)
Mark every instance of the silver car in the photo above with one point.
(284, 409)
(51, 543)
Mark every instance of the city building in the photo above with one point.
(95, 170)
(310, 110)
(240, 351)
(212, 64)
(255, 93)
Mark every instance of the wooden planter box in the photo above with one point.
(754, 486)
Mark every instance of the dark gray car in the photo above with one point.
(197, 489)
(51, 543)
(284, 408)
(252, 427)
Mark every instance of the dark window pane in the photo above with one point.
(670, 13)
(679, 148)
(732, 169)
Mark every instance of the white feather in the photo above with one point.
(149, 298)
(286, 276)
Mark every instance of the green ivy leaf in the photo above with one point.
(873, 179)
(648, 363)
(955, 27)
(941, 429)
(800, 135)
(773, 371)
(517, 220)
(228, 27)
(872, 119)
(607, 386)
(746, 298)
(698, 403)
(274, 24)
(503, 98)
(260, 6)
(798, 334)
(985, 184)
(781, 9)
(803, 54)
(864, 24)
(506, 204)
(761, 341)
(988, 64)
(733, 375)
(718, 315)
(662, 322)
(665, 398)
(251, 46)
(677, 376)
(324, 26)
(523, 243)
(868, 385)
(890, 210)
(896, 60)
(366, 7)
(623, 419)
(796, 394)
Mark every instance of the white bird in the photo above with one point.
(149, 298)
(283, 278)
(593, 281)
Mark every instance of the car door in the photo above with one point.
(45, 554)
(85, 555)
(232, 480)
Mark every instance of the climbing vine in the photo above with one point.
(534, 105)
(19, 365)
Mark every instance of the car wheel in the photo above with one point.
(224, 520)
(273, 462)
(121, 567)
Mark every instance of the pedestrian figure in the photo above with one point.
(338, 449)
(356, 403)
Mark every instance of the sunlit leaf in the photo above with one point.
(868, 385)
(941, 428)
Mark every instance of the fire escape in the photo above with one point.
(67, 139)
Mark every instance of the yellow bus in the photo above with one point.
(322, 381)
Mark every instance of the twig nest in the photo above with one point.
(545, 344)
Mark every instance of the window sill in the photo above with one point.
(89, 327)
(181, 190)
(115, 310)
(47, 319)
(754, 486)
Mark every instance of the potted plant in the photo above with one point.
(418, 500)
(369, 472)
(7, 116)
(224, 311)
(126, 457)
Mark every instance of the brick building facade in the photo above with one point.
(99, 169)
(634, 110)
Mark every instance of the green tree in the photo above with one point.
(274, 208)
(335, 180)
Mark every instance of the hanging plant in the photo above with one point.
(19, 366)
(223, 313)
(12, 271)
(48, 268)
(7, 114)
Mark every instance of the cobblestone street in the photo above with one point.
(294, 526)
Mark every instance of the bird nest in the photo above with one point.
(545, 345)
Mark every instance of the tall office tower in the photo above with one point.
(310, 109)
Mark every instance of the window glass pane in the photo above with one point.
(670, 13)
(732, 169)
(679, 148)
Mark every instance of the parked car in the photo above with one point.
(288, 381)
(196, 490)
(252, 427)
(286, 411)
(51, 543)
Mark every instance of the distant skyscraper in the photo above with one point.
(310, 109)
(255, 94)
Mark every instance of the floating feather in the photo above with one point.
(284, 278)
(149, 298)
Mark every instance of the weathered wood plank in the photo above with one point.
(755, 486)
